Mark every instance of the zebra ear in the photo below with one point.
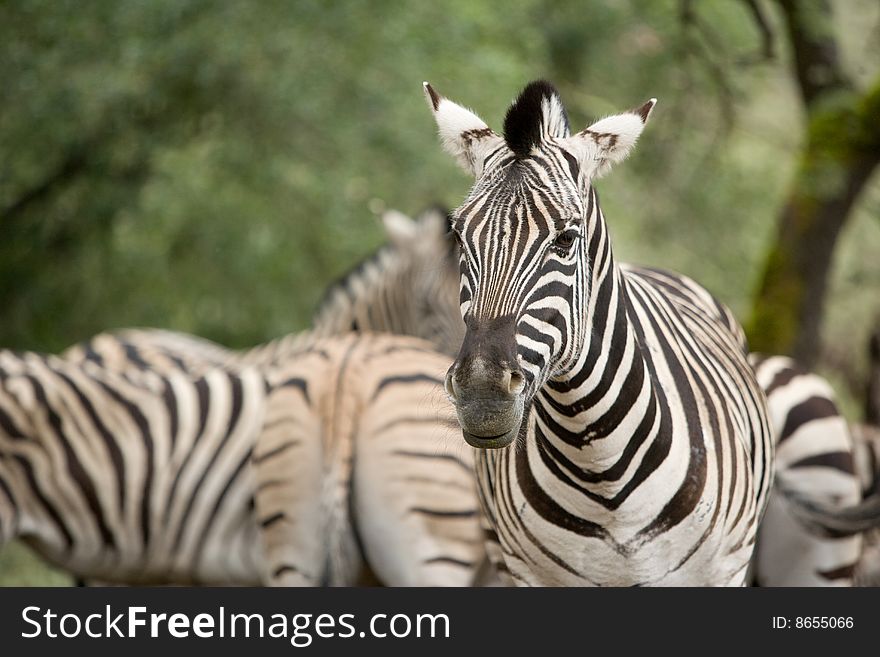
(434, 223)
(464, 135)
(400, 229)
(609, 140)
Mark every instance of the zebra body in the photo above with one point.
(622, 438)
(137, 479)
(814, 459)
(336, 416)
(392, 458)
(866, 440)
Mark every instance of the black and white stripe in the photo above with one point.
(136, 479)
(816, 459)
(404, 288)
(640, 451)
(815, 444)
(866, 442)
(322, 451)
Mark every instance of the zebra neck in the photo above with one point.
(607, 413)
(362, 299)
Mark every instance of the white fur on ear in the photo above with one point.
(433, 223)
(610, 140)
(463, 134)
(401, 230)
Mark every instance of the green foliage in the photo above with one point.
(21, 567)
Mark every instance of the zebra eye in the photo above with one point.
(565, 240)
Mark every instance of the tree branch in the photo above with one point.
(768, 38)
(816, 59)
(696, 48)
(69, 167)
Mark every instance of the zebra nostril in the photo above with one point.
(449, 384)
(517, 382)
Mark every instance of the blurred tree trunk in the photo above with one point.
(872, 388)
(841, 151)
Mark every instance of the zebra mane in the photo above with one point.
(383, 260)
(535, 114)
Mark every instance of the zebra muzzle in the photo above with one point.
(489, 418)
(487, 385)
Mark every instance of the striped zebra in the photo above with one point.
(866, 439)
(369, 296)
(404, 288)
(622, 437)
(815, 457)
(533, 185)
(396, 463)
(138, 477)
(239, 475)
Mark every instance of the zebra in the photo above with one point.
(866, 439)
(137, 478)
(817, 454)
(621, 435)
(815, 457)
(395, 463)
(549, 339)
(422, 521)
(404, 288)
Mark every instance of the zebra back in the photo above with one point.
(135, 477)
(413, 495)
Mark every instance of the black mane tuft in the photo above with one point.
(522, 125)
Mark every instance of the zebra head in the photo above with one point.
(528, 231)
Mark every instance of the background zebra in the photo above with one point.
(409, 287)
(394, 459)
(130, 477)
(866, 440)
(319, 448)
(370, 296)
(814, 457)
